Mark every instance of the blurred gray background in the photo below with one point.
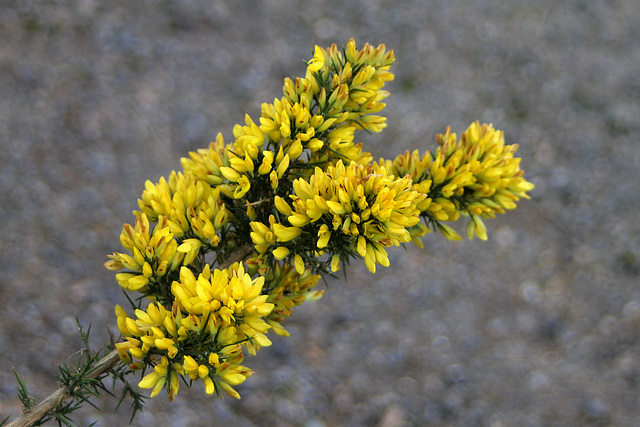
(536, 327)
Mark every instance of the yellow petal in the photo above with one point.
(282, 206)
(230, 173)
(280, 252)
(149, 381)
(299, 264)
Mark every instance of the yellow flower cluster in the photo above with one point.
(317, 116)
(290, 199)
(230, 299)
(154, 253)
(352, 206)
(189, 204)
(225, 309)
(477, 176)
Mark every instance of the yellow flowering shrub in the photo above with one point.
(220, 253)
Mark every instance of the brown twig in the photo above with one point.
(54, 399)
(240, 254)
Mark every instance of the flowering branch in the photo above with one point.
(92, 371)
(222, 252)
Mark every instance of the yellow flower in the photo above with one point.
(335, 263)
(242, 165)
(282, 167)
(267, 161)
(282, 206)
(169, 202)
(133, 282)
(249, 138)
(324, 235)
(476, 175)
(262, 236)
(315, 144)
(298, 220)
(281, 252)
(230, 174)
(318, 60)
(295, 150)
(449, 232)
(285, 234)
(243, 186)
(476, 226)
(191, 248)
(154, 252)
(205, 163)
(209, 385)
(273, 179)
(157, 378)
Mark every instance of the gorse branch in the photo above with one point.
(47, 405)
(221, 252)
(96, 369)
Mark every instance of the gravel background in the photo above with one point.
(536, 327)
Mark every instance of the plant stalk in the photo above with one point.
(54, 399)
